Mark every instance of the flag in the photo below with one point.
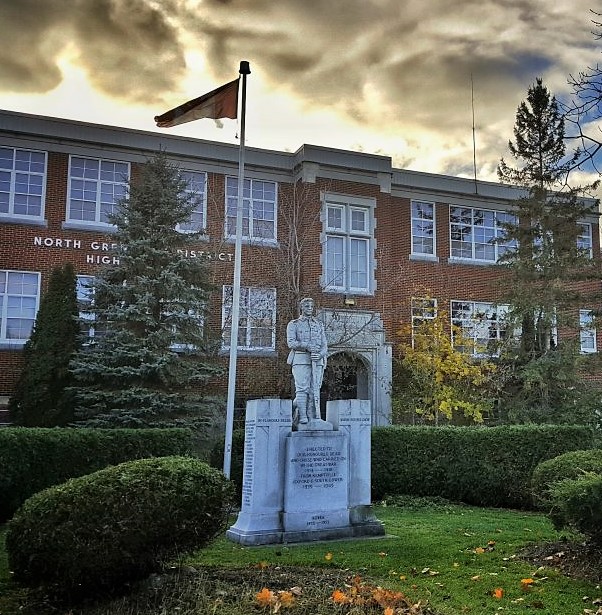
(222, 102)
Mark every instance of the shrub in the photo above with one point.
(35, 458)
(568, 466)
(485, 466)
(577, 504)
(96, 532)
(236, 461)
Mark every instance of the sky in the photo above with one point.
(400, 78)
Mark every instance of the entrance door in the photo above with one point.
(345, 377)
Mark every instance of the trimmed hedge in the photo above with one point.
(569, 466)
(97, 532)
(485, 466)
(35, 458)
(577, 504)
(216, 458)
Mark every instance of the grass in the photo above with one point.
(452, 557)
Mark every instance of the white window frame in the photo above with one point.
(422, 309)
(21, 177)
(339, 276)
(250, 298)
(481, 315)
(85, 297)
(584, 239)
(421, 226)
(200, 196)
(30, 303)
(95, 185)
(498, 248)
(252, 206)
(587, 332)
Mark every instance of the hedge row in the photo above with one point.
(485, 466)
(35, 458)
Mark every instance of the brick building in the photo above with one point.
(372, 241)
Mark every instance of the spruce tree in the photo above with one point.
(545, 263)
(39, 399)
(151, 359)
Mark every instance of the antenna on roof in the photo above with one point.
(474, 142)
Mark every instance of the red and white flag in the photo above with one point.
(222, 102)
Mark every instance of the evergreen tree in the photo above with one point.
(150, 360)
(546, 262)
(39, 399)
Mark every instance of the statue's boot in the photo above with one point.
(302, 407)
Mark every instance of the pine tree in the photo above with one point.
(39, 399)
(546, 261)
(151, 358)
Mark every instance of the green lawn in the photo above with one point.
(435, 554)
(453, 557)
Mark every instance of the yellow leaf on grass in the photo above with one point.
(328, 556)
(479, 550)
(286, 598)
(389, 611)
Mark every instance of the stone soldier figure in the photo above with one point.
(306, 339)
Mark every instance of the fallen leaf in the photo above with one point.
(328, 556)
(476, 577)
(498, 593)
(265, 597)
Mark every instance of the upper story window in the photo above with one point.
(22, 183)
(256, 318)
(584, 240)
(477, 234)
(259, 209)
(482, 324)
(95, 188)
(19, 298)
(423, 228)
(587, 333)
(348, 265)
(197, 189)
(85, 299)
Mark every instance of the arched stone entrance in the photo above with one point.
(359, 360)
(346, 377)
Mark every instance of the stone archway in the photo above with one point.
(346, 377)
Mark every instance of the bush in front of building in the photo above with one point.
(216, 459)
(484, 466)
(569, 466)
(35, 458)
(94, 533)
(577, 504)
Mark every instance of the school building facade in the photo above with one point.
(372, 244)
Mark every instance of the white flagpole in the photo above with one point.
(234, 312)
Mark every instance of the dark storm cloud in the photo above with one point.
(127, 48)
(387, 64)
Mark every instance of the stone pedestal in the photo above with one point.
(267, 424)
(316, 483)
(306, 485)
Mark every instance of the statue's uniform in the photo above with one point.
(305, 335)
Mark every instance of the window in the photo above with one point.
(19, 295)
(22, 182)
(259, 209)
(85, 300)
(584, 240)
(197, 189)
(482, 324)
(477, 234)
(423, 228)
(95, 188)
(423, 310)
(257, 318)
(347, 263)
(587, 332)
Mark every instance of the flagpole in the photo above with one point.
(244, 70)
